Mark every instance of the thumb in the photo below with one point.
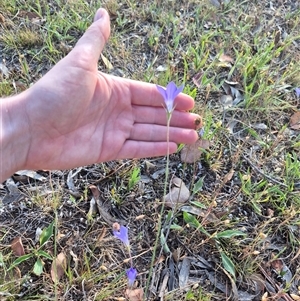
(91, 44)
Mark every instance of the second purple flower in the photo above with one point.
(131, 275)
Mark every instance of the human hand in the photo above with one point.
(76, 115)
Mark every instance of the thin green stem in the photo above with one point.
(169, 115)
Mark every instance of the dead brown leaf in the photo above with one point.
(2, 19)
(228, 176)
(106, 62)
(295, 297)
(30, 174)
(17, 246)
(270, 212)
(179, 194)
(58, 267)
(226, 58)
(3, 68)
(277, 264)
(197, 79)
(19, 86)
(135, 294)
(102, 209)
(192, 153)
(265, 297)
(93, 208)
(59, 235)
(257, 282)
(295, 121)
(95, 191)
(277, 38)
(75, 259)
(28, 14)
(281, 268)
(140, 217)
(14, 276)
(101, 236)
(159, 260)
(225, 61)
(176, 254)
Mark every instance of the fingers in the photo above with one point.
(154, 115)
(157, 133)
(91, 44)
(146, 94)
(140, 149)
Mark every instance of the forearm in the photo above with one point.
(14, 135)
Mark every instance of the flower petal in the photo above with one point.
(169, 94)
(177, 91)
(171, 89)
(122, 234)
(131, 275)
(169, 104)
(162, 91)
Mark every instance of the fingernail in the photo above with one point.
(99, 14)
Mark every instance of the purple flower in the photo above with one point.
(169, 94)
(122, 234)
(131, 275)
(297, 91)
(201, 132)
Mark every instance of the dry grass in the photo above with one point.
(239, 235)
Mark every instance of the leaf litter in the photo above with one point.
(225, 183)
(295, 121)
(58, 267)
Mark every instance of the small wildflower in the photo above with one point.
(131, 275)
(122, 234)
(201, 132)
(297, 91)
(169, 94)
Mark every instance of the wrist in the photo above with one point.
(14, 135)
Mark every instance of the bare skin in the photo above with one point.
(76, 116)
